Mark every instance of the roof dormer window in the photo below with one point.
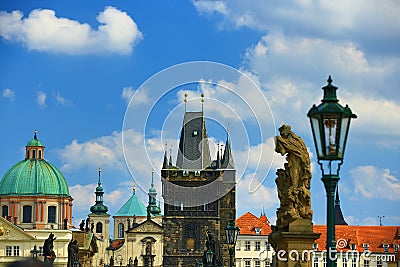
(258, 230)
(365, 246)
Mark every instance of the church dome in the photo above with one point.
(34, 175)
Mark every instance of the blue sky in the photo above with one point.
(69, 70)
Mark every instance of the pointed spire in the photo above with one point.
(227, 160)
(339, 219)
(218, 160)
(170, 155)
(152, 176)
(337, 200)
(185, 100)
(99, 182)
(99, 207)
(34, 134)
(202, 102)
(165, 162)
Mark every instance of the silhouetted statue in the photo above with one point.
(111, 261)
(82, 225)
(87, 225)
(130, 262)
(293, 182)
(91, 227)
(48, 250)
(73, 252)
(213, 244)
(65, 224)
(135, 262)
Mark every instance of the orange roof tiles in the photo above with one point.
(374, 236)
(249, 222)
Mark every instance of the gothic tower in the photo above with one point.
(199, 195)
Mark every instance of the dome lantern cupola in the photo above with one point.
(34, 148)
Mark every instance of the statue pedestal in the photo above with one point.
(294, 244)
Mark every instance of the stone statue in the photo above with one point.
(65, 224)
(82, 225)
(135, 262)
(87, 225)
(213, 244)
(111, 261)
(91, 227)
(48, 250)
(293, 182)
(73, 252)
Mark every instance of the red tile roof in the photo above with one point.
(248, 222)
(374, 236)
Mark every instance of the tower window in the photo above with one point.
(99, 227)
(27, 214)
(121, 230)
(51, 214)
(40, 154)
(33, 154)
(4, 211)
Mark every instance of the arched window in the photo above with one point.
(99, 227)
(51, 214)
(40, 154)
(120, 230)
(33, 154)
(27, 214)
(4, 211)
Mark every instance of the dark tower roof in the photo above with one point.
(339, 219)
(194, 151)
(227, 160)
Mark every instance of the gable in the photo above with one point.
(147, 226)
(8, 231)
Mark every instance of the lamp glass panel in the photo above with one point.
(343, 133)
(316, 132)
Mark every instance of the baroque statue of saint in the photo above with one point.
(293, 182)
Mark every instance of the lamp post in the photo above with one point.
(330, 123)
(231, 232)
(209, 257)
(34, 252)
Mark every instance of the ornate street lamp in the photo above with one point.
(330, 124)
(34, 252)
(209, 257)
(231, 232)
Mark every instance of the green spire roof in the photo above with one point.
(132, 207)
(99, 207)
(33, 177)
(35, 141)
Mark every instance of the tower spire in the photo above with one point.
(227, 160)
(339, 219)
(152, 204)
(98, 207)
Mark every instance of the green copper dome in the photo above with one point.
(33, 177)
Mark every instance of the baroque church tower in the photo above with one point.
(199, 195)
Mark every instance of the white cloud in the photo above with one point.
(83, 196)
(41, 99)
(255, 200)
(372, 182)
(62, 100)
(8, 93)
(139, 96)
(42, 30)
(370, 22)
